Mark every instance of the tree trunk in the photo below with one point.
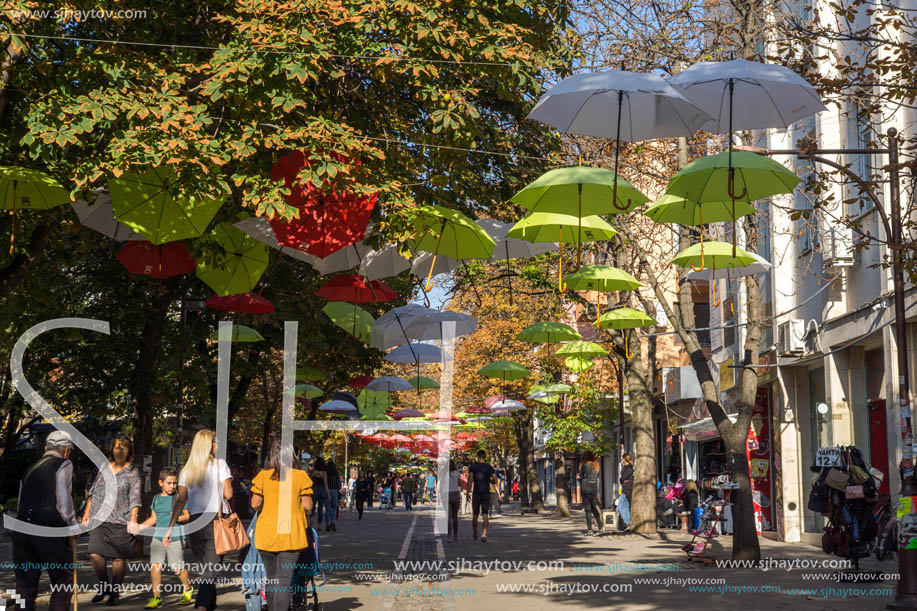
(14, 272)
(518, 428)
(745, 545)
(560, 484)
(643, 498)
(534, 485)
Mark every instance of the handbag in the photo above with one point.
(229, 534)
(818, 498)
(854, 492)
(859, 474)
(837, 479)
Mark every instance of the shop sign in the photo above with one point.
(727, 375)
(828, 457)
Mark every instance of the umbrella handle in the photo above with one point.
(627, 353)
(716, 304)
(561, 285)
(614, 196)
(730, 185)
(429, 283)
(701, 268)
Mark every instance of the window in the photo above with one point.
(859, 135)
(806, 226)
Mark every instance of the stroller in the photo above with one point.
(385, 499)
(308, 567)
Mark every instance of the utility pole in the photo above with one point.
(906, 596)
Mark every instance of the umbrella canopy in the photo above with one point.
(418, 353)
(507, 405)
(373, 402)
(309, 374)
(425, 326)
(246, 303)
(537, 393)
(340, 260)
(100, 216)
(354, 289)
(351, 318)
(308, 391)
(25, 188)
(154, 205)
(625, 318)
(713, 255)
(443, 231)
(579, 191)
(420, 382)
(504, 370)
(389, 384)
(755, 176)
(619, 105)
(760, 265)
(337, 407)
(601, 278)
(428, 264)
(758, 95)
(391, 329)
(443, 416)
(385, 263)
(360, 382)
(259, 228)
(506, 247)
(399, 438)
(554, 227)
(163, 261)
(328, 221)
(549, 333)
(241, 333)
(581, 348)
(578, 364)
(407, 413)
(558, 389)
(675, 209)
(239, 267)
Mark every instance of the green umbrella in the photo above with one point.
(25, 188)
(548, 333)
(423, 383)
(708, 179)
(578, 364)
(241, 333)
(582, 349)
(153, 205)
(713, 255)
(544, 396)
(601, 278)
(239, 268)
(554, 227)
(625, 318)
(373, 402)
(507, 371)
(308, 391)
(447, 232)
(675, 209)
(350, 317)
(558, 389)
(309, 374)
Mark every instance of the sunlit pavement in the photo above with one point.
(596, 573)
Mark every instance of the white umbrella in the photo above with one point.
(507, 405)
(337, 406)
(343, 259)
(512, 248)
(390, 384)
(385, 263)
(429, 325)
(100, 217)
(259, 228)
(760, 266)
(420, 267)
(418, 353)
(741, 94)
(388, 331)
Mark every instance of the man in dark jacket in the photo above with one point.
(32, 553)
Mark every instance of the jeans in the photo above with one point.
(624, 509)
(454, 502)
(408, 500)
(591, 507)
(321, 506)
(333, 507)
(205, 555)
(278, 568)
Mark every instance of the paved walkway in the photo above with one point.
(620, 571)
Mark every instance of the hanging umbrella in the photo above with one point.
(407, 413)
(385, 263)
(707, 178)
(418, 353)
(241, 333)
(353, 289)
(389, 384)
(602, 278)
(351, 318)
(100, 216)
(507, 248)
(162, 261)
(551, 226)
(360, 382)
(626, 318)
(246, 303)
(391, 329)
(328, 221)
(675, 209)
(239, 267)
(420, 382)
(548, 333)
(337, 407)
(309, 374)
(581, 348)
(578, 364)
(443, 416)
(26, 188)
(760, 266)
(713, 255)
(442, 231)
(259, 228)
(426, 326)
(537, 393)
(373, 403)
(428, 264)
(155, 205)
(507, 371)
(507, 405)
(308, 391)
(341, 260)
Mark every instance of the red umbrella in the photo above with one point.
(407, 413)
(399, 437)
(247, 303)
(355, 289)
(464, 435)
(140, 257)
(477, 409)
(360, 381)
(440, 415)
(328, 221)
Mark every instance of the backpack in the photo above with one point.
(588, 479)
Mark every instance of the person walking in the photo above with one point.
(463, 491)
(431, 487)
(454, 501)
(627, 487)
(483, 475)
(334, 494)
(372, 489)
(53, 471)
(280, 551)
(589, 488)
(114, 538)
(408, 488)
(205, 486)
(363, 489)
(321, 495)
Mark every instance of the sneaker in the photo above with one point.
(588, 533)
(154, 603)
(334, 528)
(186, 597)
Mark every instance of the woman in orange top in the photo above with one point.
(278, 537)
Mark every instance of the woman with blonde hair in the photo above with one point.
(205, 484)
